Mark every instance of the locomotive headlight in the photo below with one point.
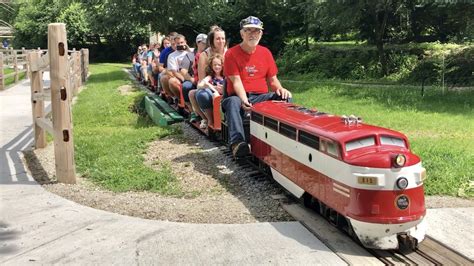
(402, 202)
(402, 183)
(399, 160)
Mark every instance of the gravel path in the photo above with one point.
(214, 189)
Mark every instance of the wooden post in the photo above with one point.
(2, 73)
(62, 116)
(85, 64)
(15, 65)
(77, 70)
(37, 104)
(70, 73)
(25, 65)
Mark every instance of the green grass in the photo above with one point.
(110, 139)
(9, 81)
(440, 127)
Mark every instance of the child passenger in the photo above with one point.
(210, 87)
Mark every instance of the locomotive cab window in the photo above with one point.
(388, 140)
(330, 147)
(360, 143)
(308, 139)
(256, 117)
(270, 123)
(288, 131)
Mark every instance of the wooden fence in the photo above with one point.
(68, 70)
(12, 59)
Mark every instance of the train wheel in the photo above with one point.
(212, 134)
(407, 243)
(310, 202)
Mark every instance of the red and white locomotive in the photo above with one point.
(363, 178)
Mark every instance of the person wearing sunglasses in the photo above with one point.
(250, 70)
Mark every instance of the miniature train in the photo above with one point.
(362, 178)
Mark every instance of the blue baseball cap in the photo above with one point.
(251, 22)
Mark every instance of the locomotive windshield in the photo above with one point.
(388, 140)
(370, 141)
(360, 143)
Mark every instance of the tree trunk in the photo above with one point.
(381, 17)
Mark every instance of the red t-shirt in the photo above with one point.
(253, 69)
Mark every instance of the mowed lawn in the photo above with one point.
(11, 80)
(440, 127)
(110, 139)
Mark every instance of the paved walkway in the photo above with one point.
(42, 228)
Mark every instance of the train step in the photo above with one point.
(160, 112)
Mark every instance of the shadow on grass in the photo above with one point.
(434, 101)
(245, 186)
(110, 76)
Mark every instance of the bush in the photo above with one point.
(406, 63)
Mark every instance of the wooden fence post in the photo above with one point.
(70, 73)
(85, 64)
(2, 73)
(15, 65)
(61, 106)
(77, 71)
(25, 65)
(37, 103)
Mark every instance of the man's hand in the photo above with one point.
(246, 105)
(284, 93)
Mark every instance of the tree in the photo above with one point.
(31, 23)
(78, 27)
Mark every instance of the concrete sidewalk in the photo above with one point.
(42, 228)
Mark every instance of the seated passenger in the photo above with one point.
(165, 43)
(164, 78)
(210, 87)
(201, 45)
(180, 64)
(250, 69)
(135, 63)
(151, 55)
(217, 45)
(144, 64)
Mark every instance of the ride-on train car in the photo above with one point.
(213, 130)
(363, 178)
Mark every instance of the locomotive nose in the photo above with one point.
(382, 159)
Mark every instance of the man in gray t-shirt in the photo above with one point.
(180, 64)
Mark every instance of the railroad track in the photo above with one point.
(429, 252)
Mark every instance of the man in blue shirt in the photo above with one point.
(163, 63)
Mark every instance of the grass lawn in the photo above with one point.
(110, 139)
(440, 127)
(11, 80)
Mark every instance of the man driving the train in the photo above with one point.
(250, 69)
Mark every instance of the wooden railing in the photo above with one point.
(68, 70)
(12, 59)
